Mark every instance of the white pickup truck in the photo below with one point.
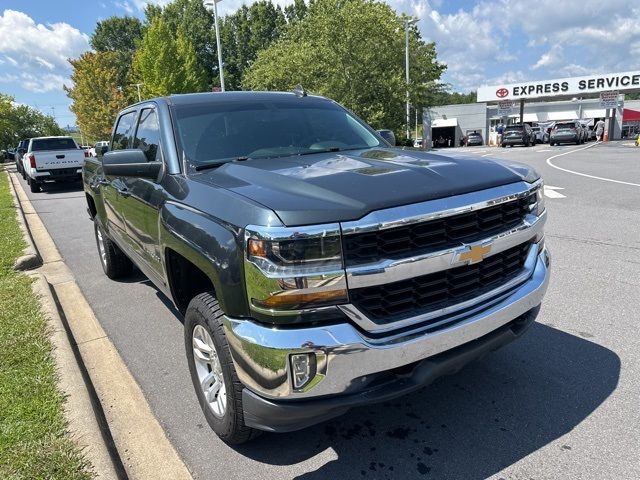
(52, 159)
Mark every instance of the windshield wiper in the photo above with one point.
(206, 166)
(331, 149)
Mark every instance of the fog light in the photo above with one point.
(303, 367)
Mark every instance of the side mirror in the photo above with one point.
(388, 136)
(100, 151)
(22, 151)
(129, 163)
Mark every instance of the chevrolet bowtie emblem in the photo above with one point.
(475, 254)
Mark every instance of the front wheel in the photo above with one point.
(214, 377)
(114, 262)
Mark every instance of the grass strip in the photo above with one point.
(34, 442)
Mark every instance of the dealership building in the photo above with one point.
(542, 103)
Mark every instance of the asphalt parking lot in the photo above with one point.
(561, 402)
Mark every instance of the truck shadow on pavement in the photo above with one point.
(470, 425)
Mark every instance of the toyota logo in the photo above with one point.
(502, 92)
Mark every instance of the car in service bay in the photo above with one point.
(518, 135)
(566, 132)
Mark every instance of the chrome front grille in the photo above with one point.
(429, 263)
(396, 301)
(430, 236)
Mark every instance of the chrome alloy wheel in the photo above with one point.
(101, 247)
(209, 371)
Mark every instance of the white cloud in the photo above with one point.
(552, 58)
(36, 83)
(126, 6)
(37, 45)
(36, 55)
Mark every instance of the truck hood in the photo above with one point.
(342, 186)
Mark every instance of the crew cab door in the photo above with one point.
(143, 197)
(113, 186)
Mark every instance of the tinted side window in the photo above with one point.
(123, 131)
(147, 136)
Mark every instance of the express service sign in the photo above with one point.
(561, 87)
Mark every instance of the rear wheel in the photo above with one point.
(214, 377)
(114, 262)
(33, 185)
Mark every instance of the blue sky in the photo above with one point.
(481, 41)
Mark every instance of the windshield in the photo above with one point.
(514, 129)
(565, 126)
(225, 131)
(43, 144)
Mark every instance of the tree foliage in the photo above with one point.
(445, 97)
(18, 122)
(167, 64)
(246, 32)
(353, 52)
(120, 35)
(117, 34)
(196, 23)
(95, 93)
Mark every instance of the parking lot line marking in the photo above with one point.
(550, 192)
(545, 150)
(585, 174)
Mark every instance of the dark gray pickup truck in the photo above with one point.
(317, 267)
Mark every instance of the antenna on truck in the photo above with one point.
(300, 91)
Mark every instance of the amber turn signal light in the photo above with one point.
(257, 248)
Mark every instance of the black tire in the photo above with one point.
(503, 145)
(33, 185)
(204, 310)
(114, 262)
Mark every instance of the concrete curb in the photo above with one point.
(143, 448)
(31, 259)
(78, 407)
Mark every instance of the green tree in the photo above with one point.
(246, 32)
(196, 23)
(164, 65)
(120, 35)
(445, 97)
(353, 52)
(295, 12)
(117, 34)
(18, 122)
(96, 93)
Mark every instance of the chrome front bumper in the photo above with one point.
(347, 358)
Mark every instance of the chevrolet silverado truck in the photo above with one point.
(317, 267)
(52, 159)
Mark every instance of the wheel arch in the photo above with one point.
(202, 254)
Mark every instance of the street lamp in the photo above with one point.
(138, 85)
(212, 5)
(407, 24)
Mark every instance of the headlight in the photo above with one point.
(538, 207)
(292, 269)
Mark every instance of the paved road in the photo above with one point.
(562, 402)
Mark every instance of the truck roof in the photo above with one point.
(53, 136)
(214, 97)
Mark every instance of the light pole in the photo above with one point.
(407, 24)
(138, 85)
(213, 5)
